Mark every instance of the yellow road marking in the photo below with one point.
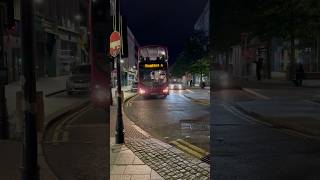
(193, 147)
(66, 123)
(189, 148)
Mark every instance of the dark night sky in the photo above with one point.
(164, 22)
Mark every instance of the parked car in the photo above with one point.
(134, 87)
(79, 81)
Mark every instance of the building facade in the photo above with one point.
(129, 62)
(57, 39)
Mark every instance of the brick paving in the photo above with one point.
(167, 161)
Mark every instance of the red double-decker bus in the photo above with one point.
(153, 71)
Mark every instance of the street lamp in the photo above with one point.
(78, 17)
(119, 123)
(4, 124)
(30, 146)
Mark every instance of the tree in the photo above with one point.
(201, 67)
(193, 51)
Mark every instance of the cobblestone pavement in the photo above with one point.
(167, 161)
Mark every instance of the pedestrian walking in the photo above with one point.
(299, 75)
(258, 68)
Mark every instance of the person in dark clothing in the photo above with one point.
(258, 69)
(202, 85)
(299, 75)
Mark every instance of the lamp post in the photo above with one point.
(30, 169)
(119, 124)
(4, 124)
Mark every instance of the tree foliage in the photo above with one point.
(194, 51)
(288, 18)
(201, 66)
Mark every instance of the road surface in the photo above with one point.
(243, 148)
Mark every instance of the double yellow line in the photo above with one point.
(62, 128)
(189, 148)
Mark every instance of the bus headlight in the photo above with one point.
(142, 91)
(165, 90)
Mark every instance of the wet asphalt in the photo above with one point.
(248, 150)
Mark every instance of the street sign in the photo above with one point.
(115, 43)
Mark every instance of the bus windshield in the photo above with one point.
(151, 77)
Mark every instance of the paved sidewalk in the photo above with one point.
(11, 150)
(283, 105)
(126, 165)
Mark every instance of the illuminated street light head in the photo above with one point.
(78, 17)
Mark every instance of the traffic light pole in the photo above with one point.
(4, 123)
(30, 168)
